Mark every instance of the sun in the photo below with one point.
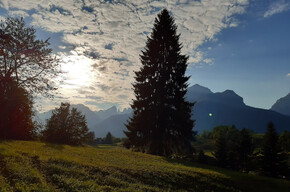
(78, 71)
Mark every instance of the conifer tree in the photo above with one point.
(284, 141)
(161, 123)
(245, 148)
(273, 160)
(221, 150)
(108, 139)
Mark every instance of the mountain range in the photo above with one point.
(101, 122)
(210, 110)
(228, 108)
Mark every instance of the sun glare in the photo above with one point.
(78, 71)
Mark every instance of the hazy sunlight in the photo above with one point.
(78, 71)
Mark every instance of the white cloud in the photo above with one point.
(110, 36)
(18, 13)
(277, 7)
(208, 61)
(288, 75)
(5, 4)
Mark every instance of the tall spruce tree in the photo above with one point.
(221, 150)
(245, 148)
(161, 123)
(274, 162)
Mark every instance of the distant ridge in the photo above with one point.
(228, 108)
(104, 114)
(282, 105)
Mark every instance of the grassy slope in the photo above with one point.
(35, 166)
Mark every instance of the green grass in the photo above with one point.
(36, 166)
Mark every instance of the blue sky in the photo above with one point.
(241, 45)
(253, 59)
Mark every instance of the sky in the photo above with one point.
(242, 45)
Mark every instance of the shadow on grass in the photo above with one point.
(194, 164)
(245, 182)
(105, 146)
(1, 156)
(54, 146)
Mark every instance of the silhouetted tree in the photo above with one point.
(206, 134)
(201, 158)
(226, 146)
(66, 126)
(273, 161)
(108, 139)
(90, 138)
(245, 148)
(161, 123)
(221, 150)
(26, 60)
(15, 111)
(27, 68)
(231, 133)
(284, 141)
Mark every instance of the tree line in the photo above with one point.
(243, 150)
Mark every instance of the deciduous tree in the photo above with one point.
(25, 59)
(67, 126)
(15, 111)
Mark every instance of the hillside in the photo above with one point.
(35, 166)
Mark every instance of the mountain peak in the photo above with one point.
(197, 92)
(112, 109)
(230, 93)
(104, 114)
(200, 89)
(229, 97)
(80, 106)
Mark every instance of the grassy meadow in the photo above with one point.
(37, 166)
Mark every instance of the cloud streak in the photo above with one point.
(109, 35)
(277, 7)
